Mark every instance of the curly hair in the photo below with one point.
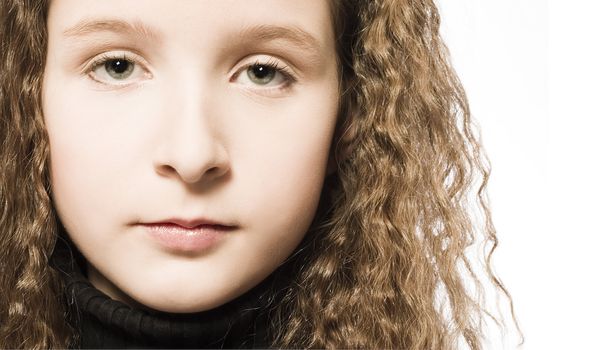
(385, 262)
(31, 312)
(394, 247)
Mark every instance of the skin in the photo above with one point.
(188, 134)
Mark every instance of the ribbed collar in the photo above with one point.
(106, 323)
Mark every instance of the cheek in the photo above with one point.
(291, 175)
(89, 157)
(285, 170)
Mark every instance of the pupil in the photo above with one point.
(261, 72)
(117, 66)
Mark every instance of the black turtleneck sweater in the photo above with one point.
(106, 323)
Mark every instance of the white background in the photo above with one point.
(531, 72)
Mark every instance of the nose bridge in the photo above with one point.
(190, 146)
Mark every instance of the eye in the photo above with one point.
(115, 69)
(267, 75)
(119, 68)
(261, 74)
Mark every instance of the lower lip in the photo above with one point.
(183, 239)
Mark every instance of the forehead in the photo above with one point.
(305, 23)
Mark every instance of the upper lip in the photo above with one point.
(189, 223)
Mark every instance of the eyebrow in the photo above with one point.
(135, 28)
(295, 35)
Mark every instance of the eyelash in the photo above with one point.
(105, 57)
(288, 76)
(285, 71)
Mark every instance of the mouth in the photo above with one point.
(187, 236)
(191, 223)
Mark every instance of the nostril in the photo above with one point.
(212, 170)
(193, 172)
(166, 170)
(215, 171)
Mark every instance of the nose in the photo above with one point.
(191, 147)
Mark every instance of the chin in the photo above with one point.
(182, 307)
(187, 302)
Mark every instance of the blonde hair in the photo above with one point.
(391, 233)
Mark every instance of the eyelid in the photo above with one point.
(288, 73)
(282, 68)
(100, 59)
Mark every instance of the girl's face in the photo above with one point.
(194, 110)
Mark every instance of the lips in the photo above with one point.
(191, 223)
(182, 235)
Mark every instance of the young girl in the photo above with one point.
(236, 174)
